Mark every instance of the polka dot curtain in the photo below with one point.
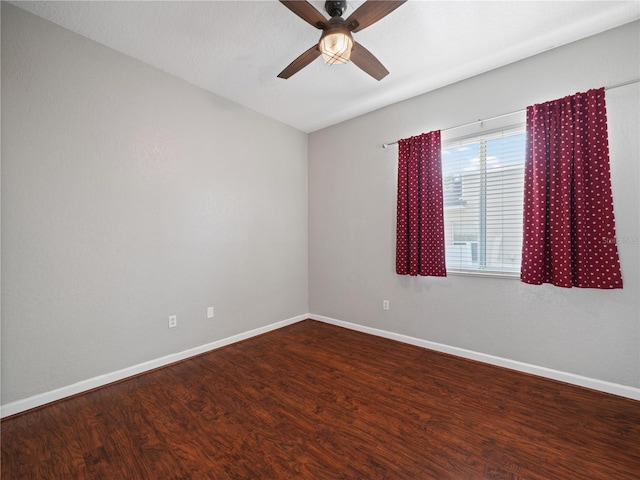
(569, 228)
(420, 222)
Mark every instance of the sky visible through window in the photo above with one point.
(466, 157)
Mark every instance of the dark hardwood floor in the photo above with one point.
(315, 401)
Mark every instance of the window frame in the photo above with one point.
(512, 124)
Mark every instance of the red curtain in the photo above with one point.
(569, 229)
(420, 222)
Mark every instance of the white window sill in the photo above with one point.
(471, 273)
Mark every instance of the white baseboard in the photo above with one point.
(595, 384)
(42, 399)
(101, 380)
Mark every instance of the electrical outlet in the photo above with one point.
(173, 321)
(209, 312)
(385, 304)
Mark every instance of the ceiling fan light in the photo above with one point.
(336, 46)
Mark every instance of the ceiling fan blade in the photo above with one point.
(369, 13)
(307, 12)
(299, 63)
(364, 59)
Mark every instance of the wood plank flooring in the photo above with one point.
(315, 401)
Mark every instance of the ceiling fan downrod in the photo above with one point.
(335, 8)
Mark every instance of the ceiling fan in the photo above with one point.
(336, 43)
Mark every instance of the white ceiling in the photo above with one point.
(237, 48)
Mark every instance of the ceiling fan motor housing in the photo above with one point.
(335, 8)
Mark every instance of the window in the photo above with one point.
(483, 181)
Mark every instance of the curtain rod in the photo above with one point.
(617, 85)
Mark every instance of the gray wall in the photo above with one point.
(129, 195)
(352, 194)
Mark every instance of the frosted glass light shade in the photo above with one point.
(336, 46)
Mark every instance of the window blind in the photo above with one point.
(483, 186)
